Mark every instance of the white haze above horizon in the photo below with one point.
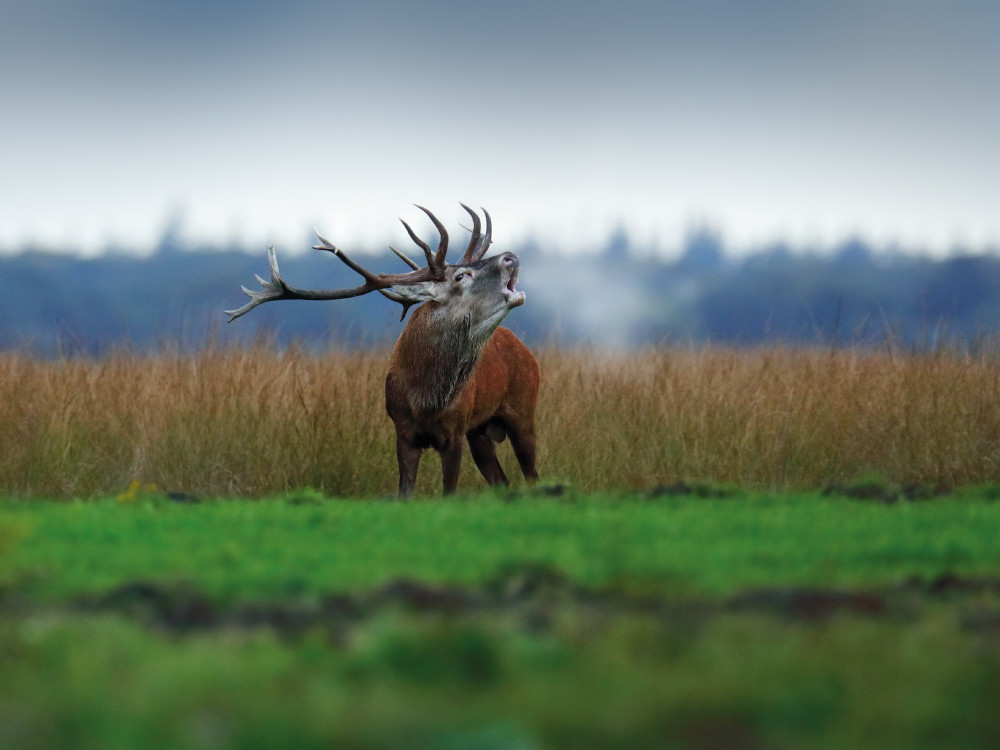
(251, 122)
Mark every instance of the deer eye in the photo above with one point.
(460, 276)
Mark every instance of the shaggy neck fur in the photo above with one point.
(436, 355)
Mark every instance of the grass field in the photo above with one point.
(743, 549)
(539, 619)
(223, 423)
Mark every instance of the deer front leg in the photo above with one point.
(451, 464)
(408, 456)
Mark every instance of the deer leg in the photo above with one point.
(484, 453)
(523, 443)
(408, 456)
(451, 464)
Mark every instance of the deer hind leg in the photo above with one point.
(485, 455)
(522, 440)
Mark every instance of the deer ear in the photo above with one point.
(423, 291)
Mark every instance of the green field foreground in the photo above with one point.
(502, 620)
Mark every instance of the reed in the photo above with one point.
(258, 421)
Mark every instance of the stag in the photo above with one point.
(454, 372)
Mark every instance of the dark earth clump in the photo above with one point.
(693, 489)
(885, 493)
(183, 497)
(531, 592)
(545, 490)
(808, 604)
(951, 583)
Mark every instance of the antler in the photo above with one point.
(478, 244)
(276, 288)
(434, 260)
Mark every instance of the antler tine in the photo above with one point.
(470, 251)
(442, 250)
(420, 243)
(403, 258)
(273, 288)
(487, 239)
(380, 280)
(325, 244)
(406, 303)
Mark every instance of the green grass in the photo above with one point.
(239, 549)
(102, 682)
(635, 643)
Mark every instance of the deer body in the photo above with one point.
(482, 402)
(454, 373)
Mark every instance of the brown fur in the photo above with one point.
(436, 396)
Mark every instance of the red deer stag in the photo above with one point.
(454, 372)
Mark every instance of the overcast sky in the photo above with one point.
(252, 121)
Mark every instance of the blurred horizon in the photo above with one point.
(622, 297)
(175, 237)
(246, 124)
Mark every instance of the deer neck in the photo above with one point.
(436, 355)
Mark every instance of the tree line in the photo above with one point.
(622, 297)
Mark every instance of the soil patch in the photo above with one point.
(531, 594)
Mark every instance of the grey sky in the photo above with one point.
(802, 121)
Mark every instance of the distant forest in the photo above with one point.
(623, 297)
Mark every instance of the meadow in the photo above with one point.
(753, 620)
(743, 549)
(252, 422)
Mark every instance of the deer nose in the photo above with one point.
(510, 261)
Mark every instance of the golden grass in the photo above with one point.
(252, 422)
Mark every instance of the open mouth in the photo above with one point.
(514, 297)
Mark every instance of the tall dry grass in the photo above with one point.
(250, 422)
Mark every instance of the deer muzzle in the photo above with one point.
(511, 266)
